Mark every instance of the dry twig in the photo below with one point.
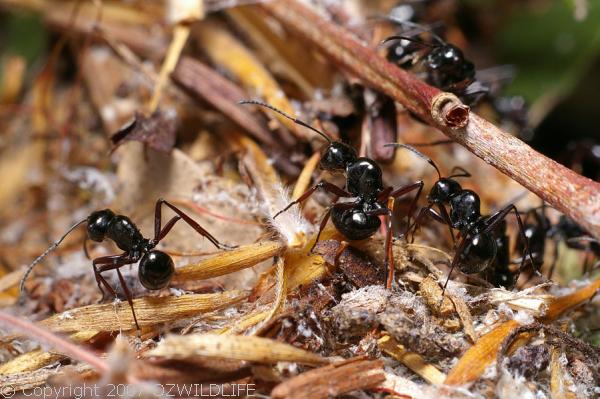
(570, 193)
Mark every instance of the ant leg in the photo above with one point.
(339, 251)
(554, 260)
(426, 211)
(388, 250)
(417, 223)
(99, 264)
(324, 185)
(129, 298)
(187, 219)
(446, 217)
(497, 217)
(459, 250)
(326, 219)
(321, 227)
(107, 263)
(405, 190)
(166, 228)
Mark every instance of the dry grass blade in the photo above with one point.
(465, 317)
(26, 381)
(228, 262)
(226, 51)
(10, 280)
(565, 303)
(303, 181)
(14, 167)
(411, 360)
(473, 363)
(149, 311)
(575, 195)
(253, 349)
(332, 381)
(276, 50)
(37, 359)
(203, 82)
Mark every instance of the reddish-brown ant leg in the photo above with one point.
(324, 185)
(107, 263)
(496, 218)
(191, 222)
(325, 219)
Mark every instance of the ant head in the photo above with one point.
(156, 270)
(449, 60)
(443, 190)
(97, 224)
(445, 56)
(337, 156)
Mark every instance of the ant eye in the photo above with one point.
(97, 224)
(156, 270)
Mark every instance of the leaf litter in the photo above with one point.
(293, 322)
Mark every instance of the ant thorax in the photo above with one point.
(465, 209)
(364, 178)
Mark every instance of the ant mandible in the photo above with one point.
(356, 220)
(478, 247)
(156, 268)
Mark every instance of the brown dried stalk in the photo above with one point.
(570, 193)
(331, 381)
(221, 93)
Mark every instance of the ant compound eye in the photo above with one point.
(156, 270)
(97, 224)
(337, 156)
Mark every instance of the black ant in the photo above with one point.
(541, 229)
(156, 268)
(446, 65)
(478, 247)
(356, 220)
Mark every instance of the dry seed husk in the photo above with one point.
(332, 380)
(228, 52)
(228, 262)
(149, 311)
(473, 363)
(412, 360)
(254, 349)
(37, 359)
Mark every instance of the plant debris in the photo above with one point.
(135, 101)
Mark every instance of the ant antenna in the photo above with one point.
(419, 27)
(410, 39)
(42, 256)
(417, 153)
(296, 121)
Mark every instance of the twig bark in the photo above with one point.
(576, 196)
(332, 380)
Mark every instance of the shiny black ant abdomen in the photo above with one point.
(156, 268)
(358, 219)
(479, 246)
